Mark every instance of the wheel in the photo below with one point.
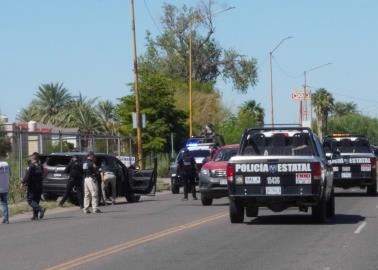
(206, 200)
(331, 205)
(319, 211)
(236, 212)
(131, 197)
(175, 189)
(372, 190)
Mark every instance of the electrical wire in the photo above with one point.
(287, 74)
(152, 18)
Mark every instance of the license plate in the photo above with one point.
(223, 182)
(273, 190)
(57, 175)
(252, 180)
(345, 169)
(303, 178)
(365, 168)
(346, 175)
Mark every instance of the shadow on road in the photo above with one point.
(304, 220)
(352, 194)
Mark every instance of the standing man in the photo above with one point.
(75, 172)
(33, 181)
(187, 170)
(90, 184)
(4, 188)
(107, 178)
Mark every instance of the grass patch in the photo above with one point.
(161, 185)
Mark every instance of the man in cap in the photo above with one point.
(187, 171)
(91, 173)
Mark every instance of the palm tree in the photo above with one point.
(254, 111)
(344, 108)
(322, 101)
(108, 116)
(52, 100)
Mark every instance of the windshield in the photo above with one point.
(347, 146)
(58, 161)
(279, 144)
(225, 154)
(200, 153)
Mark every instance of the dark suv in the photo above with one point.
(131, 182)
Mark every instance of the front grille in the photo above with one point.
(218, 173)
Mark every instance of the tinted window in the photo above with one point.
(360, 145)
(58, 161)
(200, 153)
(225, 154)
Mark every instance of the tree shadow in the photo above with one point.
(304, 220)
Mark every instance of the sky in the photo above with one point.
(86, 45)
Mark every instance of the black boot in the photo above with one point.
(35, 215)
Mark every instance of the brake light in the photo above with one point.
(45, 171)
(230, 172)
(373, 162)
(317, 171)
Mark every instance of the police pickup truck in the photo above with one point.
(279, 168)
(353, 161)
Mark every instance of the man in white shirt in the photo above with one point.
(4, 189)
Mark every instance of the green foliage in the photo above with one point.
(168, 53)
(356, 124)
(344, 108)
(157, 102)
(5, 145)
(322, 101)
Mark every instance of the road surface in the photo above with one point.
(164, 232)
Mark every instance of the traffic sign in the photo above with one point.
(301, 95)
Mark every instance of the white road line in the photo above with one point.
(359, 228)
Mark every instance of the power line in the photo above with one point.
(152, 18)
(287, 74)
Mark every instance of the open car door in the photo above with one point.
(143, 181)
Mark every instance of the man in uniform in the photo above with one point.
(33, 182)
(75, 172)
(4, 189)
(187, 170)
(90, 184)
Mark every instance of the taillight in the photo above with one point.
(230, 172)
(373, 162)
(317, 171)
(45, 171)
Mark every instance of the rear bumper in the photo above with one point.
(177, 181)
(347, 183)
(211, 187)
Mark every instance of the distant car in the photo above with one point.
(200, 153)
(353, 161)
(212, 178)
(130, 183)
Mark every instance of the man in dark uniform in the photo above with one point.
(187, 170)
(75, 172)
(33, 182)
(91, 174)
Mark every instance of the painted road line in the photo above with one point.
(130, 244)
(360, 227)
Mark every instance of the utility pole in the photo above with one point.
(136, 91)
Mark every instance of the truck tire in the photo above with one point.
(372, 190)
(131, 197)
(331, 205)
(205, 200)
(236, 212)
(319, 211)
(175, 189)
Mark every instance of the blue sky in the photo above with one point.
(86, 45)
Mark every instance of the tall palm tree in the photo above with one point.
(322, 101)
(254, 110)
(108, 116)
(343, 108)
(52, 100)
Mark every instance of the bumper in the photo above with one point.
(347, 183)
(177, 181)
(212, 187)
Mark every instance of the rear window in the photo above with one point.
(200, 153)
(58, 161)
(347, 146)
(225, 154)
(279, 144)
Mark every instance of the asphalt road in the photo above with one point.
(164, 232)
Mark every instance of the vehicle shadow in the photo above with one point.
(352, 194)
(304, 220)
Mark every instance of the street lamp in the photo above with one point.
(271, 75)
(195, 20)
(305, 91)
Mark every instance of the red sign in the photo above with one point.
(301, 95)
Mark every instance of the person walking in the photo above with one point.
(33, 181)
(4, 189)
(75, 181)
(187, 171)
(108, 178)
(90, 184)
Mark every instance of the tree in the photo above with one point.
(158, 104)
(322, 101)
(5, 144)
(343, 108)
(51, 101)
(168, 53)
(108, 116)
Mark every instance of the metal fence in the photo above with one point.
(25, 143)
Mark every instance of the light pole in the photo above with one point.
(194, 20)
(271, 75)
(305, 92)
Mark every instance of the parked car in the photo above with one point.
(131, 182)
(212, 178)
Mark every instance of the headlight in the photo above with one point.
(204, 171)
